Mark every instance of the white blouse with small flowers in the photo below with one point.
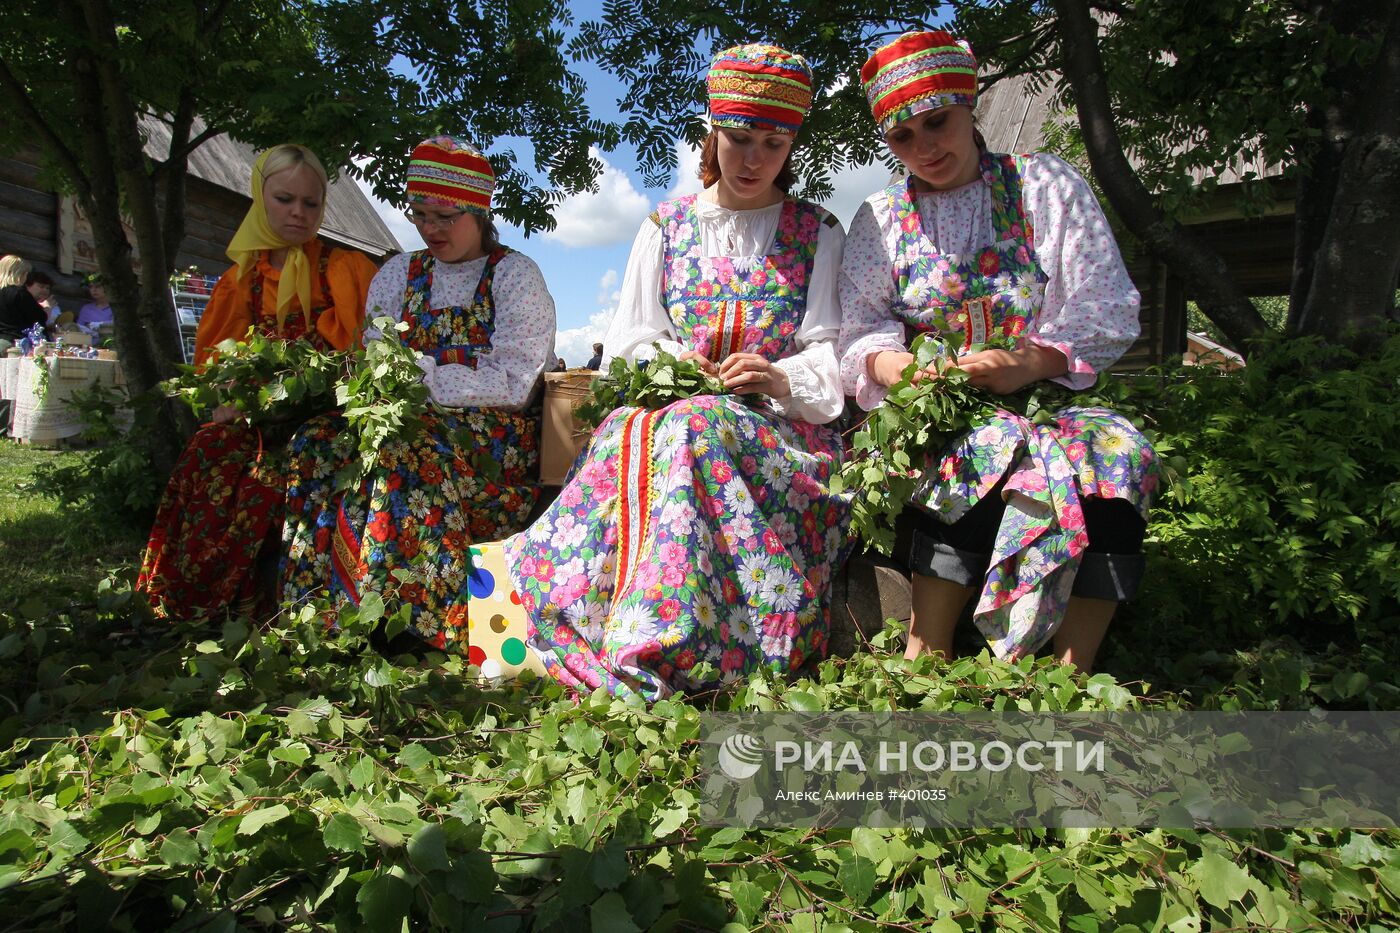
(522, 346)
(814, 378)
(1090, 307)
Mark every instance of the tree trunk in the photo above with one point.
(1358, 259)
(173, 174)
(1317, 186)
(145, 331)
(1202, 271)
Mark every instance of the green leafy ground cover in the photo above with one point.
(48, 550)
(270, 776)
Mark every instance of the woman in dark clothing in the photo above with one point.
(19, 310)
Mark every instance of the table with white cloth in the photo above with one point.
(46, 418)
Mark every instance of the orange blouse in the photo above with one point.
(229, 313)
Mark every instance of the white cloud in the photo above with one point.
(404, 232)
(603, 217)
(575, 345)
(607, 289)
(687, 170)
(851, 186)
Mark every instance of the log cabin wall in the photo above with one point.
(29, 216)
(29, 225)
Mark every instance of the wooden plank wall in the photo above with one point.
(1259, 253)
(1156, 340)
(29, 227)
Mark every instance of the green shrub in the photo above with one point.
(1282, 534)
(114, 477)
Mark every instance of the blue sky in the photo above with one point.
(584, 257)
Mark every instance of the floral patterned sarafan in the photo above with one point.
(404, 534)
(1087, 452)
(224, 500)
(704, 531)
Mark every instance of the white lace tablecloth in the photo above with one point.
(48, 417)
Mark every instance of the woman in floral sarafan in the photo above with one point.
(224, 501)
(481, 321)
(704, 531)
(1046, 521)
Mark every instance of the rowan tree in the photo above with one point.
(352, 79)
(1160, 89)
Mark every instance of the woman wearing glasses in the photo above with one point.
(704, 533)
(481, 320)
(225, 497)
(1046, 521)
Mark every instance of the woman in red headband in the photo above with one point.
(704, 532)
(481, 322)
(224, 500)
(1046, 521)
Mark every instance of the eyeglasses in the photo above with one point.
(419, 219)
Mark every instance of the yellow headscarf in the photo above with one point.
(255, 234)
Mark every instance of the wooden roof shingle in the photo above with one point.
(224, 161)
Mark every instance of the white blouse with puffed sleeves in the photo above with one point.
(1090, 307)
(522, 344)
(746, 237)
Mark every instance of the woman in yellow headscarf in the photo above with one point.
(225, 498)
(281, 264)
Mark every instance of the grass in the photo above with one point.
(47, 549)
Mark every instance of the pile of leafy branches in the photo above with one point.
(923, 414)
(653, 384)
(269, 380)
(378, 388)
(277, 777)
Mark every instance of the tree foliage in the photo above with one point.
(1164, 92)
(83, 79)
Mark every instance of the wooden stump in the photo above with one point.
(867, 591)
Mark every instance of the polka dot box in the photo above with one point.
(496, 626)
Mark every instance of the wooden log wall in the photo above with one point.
(29, 226)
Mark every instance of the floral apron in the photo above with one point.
(704, 531)
(1049, 468)
(427, 500)
(224, 499)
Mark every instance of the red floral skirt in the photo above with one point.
(222, 504)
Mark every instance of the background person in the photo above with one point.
(40, 285)
(98, 311)
(19, 309)
(976, 244)
(596, 360)
(225, 497)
